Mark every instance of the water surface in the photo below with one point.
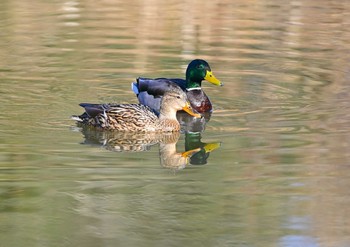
(279, 178)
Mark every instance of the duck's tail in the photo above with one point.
(76, 118)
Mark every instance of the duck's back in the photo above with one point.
(122, 117)
(149, 91)
(132, 117)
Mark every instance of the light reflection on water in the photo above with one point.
(280, 176)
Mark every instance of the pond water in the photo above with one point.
(278, 169)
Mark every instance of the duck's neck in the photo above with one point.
(169, 125)
(193, 79)
(193, 84)
(168, 121)
(190, 83)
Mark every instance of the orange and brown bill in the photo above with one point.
(188, 108)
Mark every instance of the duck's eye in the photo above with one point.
(178, 97)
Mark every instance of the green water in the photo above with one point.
(280, 176)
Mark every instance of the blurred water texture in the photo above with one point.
(280, 176)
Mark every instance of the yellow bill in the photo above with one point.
(209, 76)
(211, 146)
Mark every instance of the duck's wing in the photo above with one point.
(180, 82)
(94, 109)
(150, 91)
(91, 111)
(150, 101)
(156, 87)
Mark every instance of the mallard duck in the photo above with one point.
(148, 91)
(137, 117)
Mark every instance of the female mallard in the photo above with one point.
(148, 91)
(136, 117)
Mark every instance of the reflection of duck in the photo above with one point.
(193, 141)
(170, 158)
(136, 117)
(191, 124)
(148, 91)
(121, 141)
(139, 142)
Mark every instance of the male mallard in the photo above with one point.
(148, 91)
(137, 117)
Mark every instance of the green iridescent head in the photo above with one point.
(199, 70)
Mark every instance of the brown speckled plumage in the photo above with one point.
(136, 117)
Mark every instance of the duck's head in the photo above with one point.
(199, 70)
(173, 101)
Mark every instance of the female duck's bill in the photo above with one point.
(188, 108)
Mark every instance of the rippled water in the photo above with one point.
(278, 173)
